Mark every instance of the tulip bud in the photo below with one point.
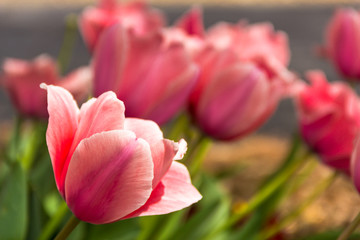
(22, 80)
(137, 16)
(329, 119)
(152, 75)
(343, 42)
(232, 97)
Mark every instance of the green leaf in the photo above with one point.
(13, 204)
(37, 216)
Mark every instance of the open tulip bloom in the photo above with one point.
(108, 167)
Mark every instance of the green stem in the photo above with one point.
(350, 229)
(319, 189)
(68, 228)
(202, 147)
(68, 42)
(181, 123)
(34, 143)
(15, 139)
(54, 222)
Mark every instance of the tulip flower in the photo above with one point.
(151, 74)
(232, 97)
(243, 76)
(22, 80)
(137, 16)
(343, 42)
(329, 119)
(251, 42)
(109, 168)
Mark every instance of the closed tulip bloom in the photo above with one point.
(22, 80)
(343, 42)
(329, 119)
(135, 15)
(109, 168)
(232, 97)
(151, 74)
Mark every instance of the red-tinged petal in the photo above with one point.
(79, 83)
(173, 193)
(63, 123)
(109, 176)
(109, 59)
(192, 22)
(98, 115)
(163, 151)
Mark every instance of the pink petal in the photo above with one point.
(192, 22)
(63, 123)
(99, 115)
(173, 193)
(163, 151)
(110, 58)
(109, 176)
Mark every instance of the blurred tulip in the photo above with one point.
(243, 75)
(151, 74)
(109, 168)
(343, 42)
(137, 16)
(22, 80)
(329, 119)
(232, 97)
(251, 42)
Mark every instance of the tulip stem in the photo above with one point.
(202, 147)
(15, 140)
(54, 222)
(350, 229)
(68, 42)
(68, 228)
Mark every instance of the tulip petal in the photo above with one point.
(163, 151)
(59, 137)
(109, 59)
(92, 121)
(192, 22)
(109, 176)
(173, 193)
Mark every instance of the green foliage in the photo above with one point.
(13, 204)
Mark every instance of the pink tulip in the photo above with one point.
(137, 16)
(22, 80)
(343, 42)
(151, 74)
(329, 118)
(232, 97)
(251, 42)
(109, 168)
